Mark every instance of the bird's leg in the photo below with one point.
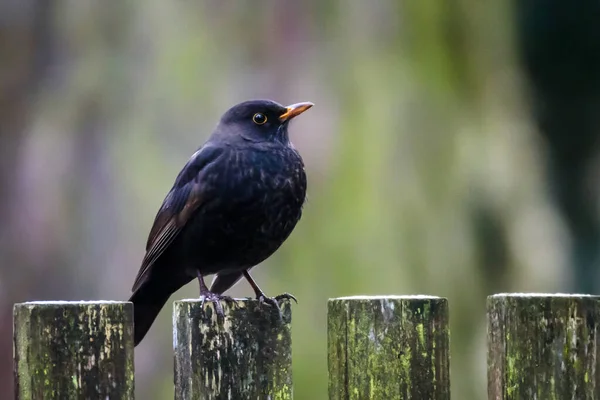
(206, 294)
(262, 298)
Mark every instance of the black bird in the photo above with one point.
(234, 203)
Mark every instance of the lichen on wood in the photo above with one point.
(246, 355)
(73, 350)
(388, 348)
(544, 346)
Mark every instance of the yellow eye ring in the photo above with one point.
(259, 118)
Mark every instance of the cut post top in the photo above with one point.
(543, 344)
(388, 297)
(240, 301)
(388, 347)
(250, 306)
(245, 355)
(72, 305)
(543, 295)
(237, 299)
(72, 302)
(73, 350)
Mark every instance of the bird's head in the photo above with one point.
(259, 121)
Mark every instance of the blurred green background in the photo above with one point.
(451, 151)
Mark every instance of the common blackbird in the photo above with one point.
(234, 203)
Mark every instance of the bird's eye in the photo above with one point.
(259, 118)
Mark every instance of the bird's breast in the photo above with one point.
(258, 201)
(260, 192)
(267, 177)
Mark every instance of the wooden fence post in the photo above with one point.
(248, 356)
(388, 348)
(543, 346)
(73, 350)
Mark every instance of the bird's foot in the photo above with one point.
(216, 300)
(274, 301)
(287, 296)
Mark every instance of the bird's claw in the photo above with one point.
(274, 301)
(216, 300)
(286, 296)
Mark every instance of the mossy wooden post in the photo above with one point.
(388, 348)
(248, 355)
(73, 350)
(543, 346)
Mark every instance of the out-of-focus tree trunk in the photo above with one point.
(56, 203)
(559, 43)
(25, 48)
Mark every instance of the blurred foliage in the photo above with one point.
(425, 171)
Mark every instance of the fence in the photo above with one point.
(394, 347)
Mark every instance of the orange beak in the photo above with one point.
(295, 110)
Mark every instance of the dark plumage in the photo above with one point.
(234, 203)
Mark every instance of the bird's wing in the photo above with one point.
(185, 198)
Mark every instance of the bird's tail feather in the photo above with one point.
(223, 282)
(147, 301)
